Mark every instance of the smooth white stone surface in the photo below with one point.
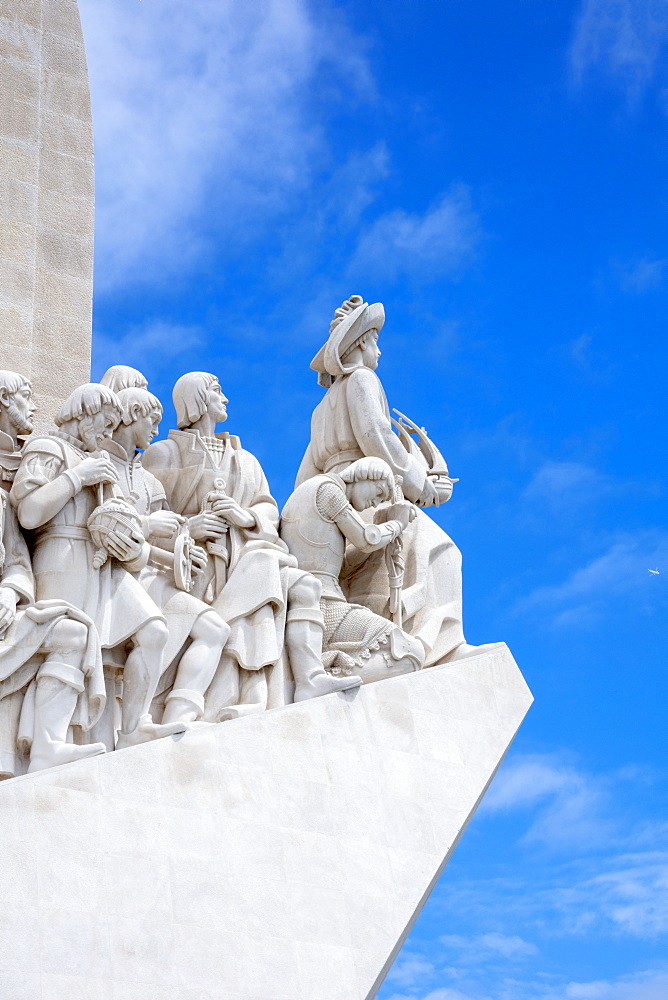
(281, 856)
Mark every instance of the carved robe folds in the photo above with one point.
(21, 650)
(63, 549)
(253, 597)
(353, 421)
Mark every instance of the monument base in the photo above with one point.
(283, 856)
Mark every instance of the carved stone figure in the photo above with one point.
(123, 377)
(49, 653)
(17, 410)
(320, 516)
(50, 665)
(197, 633)
(252, 580)
(57, 487)
(353, 421)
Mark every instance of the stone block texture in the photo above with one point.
(282, 856)
(46, 199)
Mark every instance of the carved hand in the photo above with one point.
(96, 470)
(429, 495)
(123, 547)
(164, 523)
(8, 600)
(403, 512)
(207, 525)
(200, 559)
(231, 512)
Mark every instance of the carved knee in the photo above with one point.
(153, 635)
(305, 592)
(67, 637)
(211, 628)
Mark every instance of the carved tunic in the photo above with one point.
(353, 421)
(21, 642)
(315, 523)
(181, 610)
(63, 549)
(254, 597)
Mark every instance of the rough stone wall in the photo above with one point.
(46, 198)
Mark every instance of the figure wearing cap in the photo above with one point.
(353, 422)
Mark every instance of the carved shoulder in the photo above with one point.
(43, 446)
(161, 456)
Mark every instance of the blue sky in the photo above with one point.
(494, 171)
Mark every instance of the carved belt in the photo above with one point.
(79, 531)
(342, 456)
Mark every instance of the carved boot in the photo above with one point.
(184, 705)
(58, 688)
(251, 696)
(147, 730)
(303, 637)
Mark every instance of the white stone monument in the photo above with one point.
(238, 752)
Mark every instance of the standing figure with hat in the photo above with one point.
(352, 422)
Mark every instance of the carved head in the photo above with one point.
(352, 341)
(123, 377)
(91, 413)
(16, 404)
(365, 349)
(194, 395)
(369, 482)
(143, 412)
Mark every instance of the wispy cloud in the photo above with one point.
(641, 275)
(570, 807)
(423, 247)
(508, 945)
(206, 121)
(147, 347)
(624, 38)
(619, 573)
(651, 984)
(567, 486)
(599, 875)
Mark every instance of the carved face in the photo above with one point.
(368, 493)
(216, 403)
(145, 428)
(93, 430)
(21, 409)
(370, 350)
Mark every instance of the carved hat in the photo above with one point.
(352, 320)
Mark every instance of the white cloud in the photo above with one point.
(620, 573)
(646, 985)
(508, 945)
(423, 247)
(651, 984)
(623, 37)
(571, 806)
(206, 118)
(146, 348)
(410, 970)
(564, 486)
(632, 895)
(642, 275)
